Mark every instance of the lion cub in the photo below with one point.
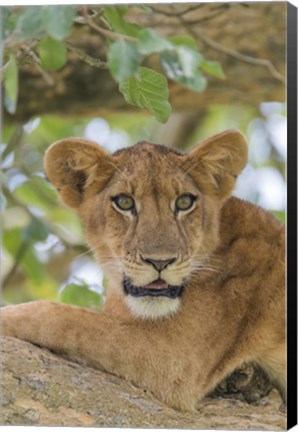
(196, 277)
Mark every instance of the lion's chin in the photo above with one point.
(152, 308)
(153, 301)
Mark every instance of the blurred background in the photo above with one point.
(43, 251)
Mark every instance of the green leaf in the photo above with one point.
(182, 66)
(213, 68)
(123, 59)
(11, 84)
(37, 230)
(148, 89)
(80, 295)
(189, 60)
(13, 242)
(30, 23)
(33, 267)
(150, 42)
(52, 53)
(9, 22)
(5, 15)
(184, 40)
(114, 16)
(58, 20)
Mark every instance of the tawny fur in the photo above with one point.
(229, 255)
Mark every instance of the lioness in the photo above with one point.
(196, 277)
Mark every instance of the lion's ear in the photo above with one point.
(216, 162)
(73, 164)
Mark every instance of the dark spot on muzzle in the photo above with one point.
(172, 291)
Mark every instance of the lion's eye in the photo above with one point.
(124, 202)
(184, 202)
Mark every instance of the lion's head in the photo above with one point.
(150, 213)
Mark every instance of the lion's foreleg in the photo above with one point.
(129, 349)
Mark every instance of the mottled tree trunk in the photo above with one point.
(40, 388)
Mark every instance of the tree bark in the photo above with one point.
(40, 388)
(248, 39)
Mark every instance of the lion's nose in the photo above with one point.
(159, 265)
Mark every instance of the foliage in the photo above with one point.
(39, 34)
(37, 229)
(80, 294)
(148, 89)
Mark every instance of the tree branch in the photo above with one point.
(178, 13)
(107, 33)
(36, 61)
(91, 61)
(242, 57)
(212, 13)
(40, 388)
(233, 53)
(27, 53)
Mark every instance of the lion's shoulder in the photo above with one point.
(251, 238)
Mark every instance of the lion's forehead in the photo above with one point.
(147, 149)
(146, 156)
(151, 169)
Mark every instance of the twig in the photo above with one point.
(180, 13)
(92, 61)
(36, 62)
(245, 58)
(107, 33)
(25, 52)
(177, 13)
(233, 53)
(207, 17)
(3, 69)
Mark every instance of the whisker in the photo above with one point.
(204, 263)
(112, 266)
(88, 252)
(120, 171)
(202, 269)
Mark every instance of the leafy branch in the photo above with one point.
(39, 36)
(104, 32)
(91, 61)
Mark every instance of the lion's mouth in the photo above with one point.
(156, 288)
